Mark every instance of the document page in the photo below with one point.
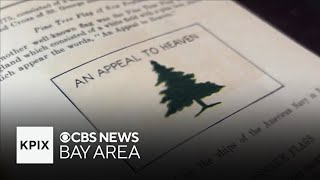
(154, 90)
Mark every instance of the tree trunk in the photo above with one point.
(204, 106)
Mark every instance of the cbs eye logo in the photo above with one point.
(34, 145)
(65, 137)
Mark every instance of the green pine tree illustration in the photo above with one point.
(182, 90)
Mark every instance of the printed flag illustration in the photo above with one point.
(182, 89)
(164, 97)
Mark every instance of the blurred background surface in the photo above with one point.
(299, 19)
